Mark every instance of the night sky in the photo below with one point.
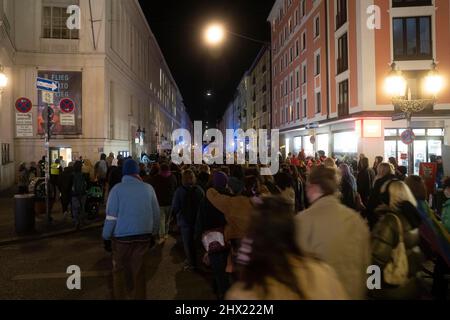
(178, 26)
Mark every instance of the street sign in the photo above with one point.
(47, 97)
(399, 116)
(67, 105)
(313, 125)
(47, 85)
(24, 105)
(408, 136)
(24, 125)
(67, 119)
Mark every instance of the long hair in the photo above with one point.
(384, 169)
(347, 176)
(271, 242)
(398, 194)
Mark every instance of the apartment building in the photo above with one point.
(330, 64)
(126, 100)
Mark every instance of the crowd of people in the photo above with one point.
(309, 232)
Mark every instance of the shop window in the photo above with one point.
(419, 132)
(345, 142)
(308, 146)
(390, 132)
(435, 132)
(323, 141)
(297, 144)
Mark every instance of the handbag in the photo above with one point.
(396, 271)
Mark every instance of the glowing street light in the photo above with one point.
(395, 84)
(3, 79)
(214, 34)
(433, 82)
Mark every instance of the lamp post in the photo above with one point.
(397, 88)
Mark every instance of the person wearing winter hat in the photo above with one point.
(132, 219)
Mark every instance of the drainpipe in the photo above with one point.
(327, 50)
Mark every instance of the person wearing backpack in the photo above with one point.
(185, 206)
(395, 243)
(78, 194)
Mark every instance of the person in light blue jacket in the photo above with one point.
(132, 220)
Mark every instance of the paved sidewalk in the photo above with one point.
(43, 229)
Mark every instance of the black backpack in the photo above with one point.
(191, 205)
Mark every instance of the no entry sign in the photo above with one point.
(24, 105)
(408, 136)
(67, 105)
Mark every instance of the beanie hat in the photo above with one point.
(130, 167)
(220, 179)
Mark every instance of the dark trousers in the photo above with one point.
(218, 262)
(130, 259)
(187, 235)
(440, 283)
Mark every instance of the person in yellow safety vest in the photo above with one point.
(55, 170)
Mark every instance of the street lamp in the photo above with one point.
(396, 87)
(3, 79)
(214, 34)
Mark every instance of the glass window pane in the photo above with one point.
(323, 143)
(402, 153)
(390, 149)
(345, 142)
(308, 146)
(420, 154)
(398, 37)
(297, 144)
(400, 131)
(390, 132)
(434, 148)
(435, 132)
(419, 132)
(425, 35)
(411, 33)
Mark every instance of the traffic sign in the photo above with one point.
(67, 105)
(47, 85)
(313, 125)
(399, 116)
(24, 105)
(47, 97)
(408, 136)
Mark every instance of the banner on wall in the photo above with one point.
(70, 87)
(428, 172)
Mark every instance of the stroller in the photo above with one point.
(94, 200)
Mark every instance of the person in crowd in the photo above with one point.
(321, 155)
(88, 170)
(115, 174)
(78, 194)
(211, 227)
(439, 172)
(298, 184)
(142, 170)
(132, 220)
(154, 170)
(435, 239)
(110, 159)
(285, 185)
(55, 171)
(41, 166)
(446, 207)
(365, 180)
(394, 163)
(334, 233)
(203, 176)
(295, 275)
(62, 163)
(268, 186)
(377, 162)
(66, 180)
(385, 173)
(101, 170)
(288, 158)
(295, 161)
(329, 163)
(165, 185)
(33, 171)
(398, 226)
(236, 180)
(185, 206)
(23, 180)
(402, 173)
(237, 212)
(348, 187)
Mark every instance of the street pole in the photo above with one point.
(47, 167)
(410, 146)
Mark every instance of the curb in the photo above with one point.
(24, 239)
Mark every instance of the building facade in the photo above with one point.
(126, 100)
(330, 64)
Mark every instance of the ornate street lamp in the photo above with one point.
(396, 87)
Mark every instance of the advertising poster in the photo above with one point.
(428, 173)
(70, 86)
